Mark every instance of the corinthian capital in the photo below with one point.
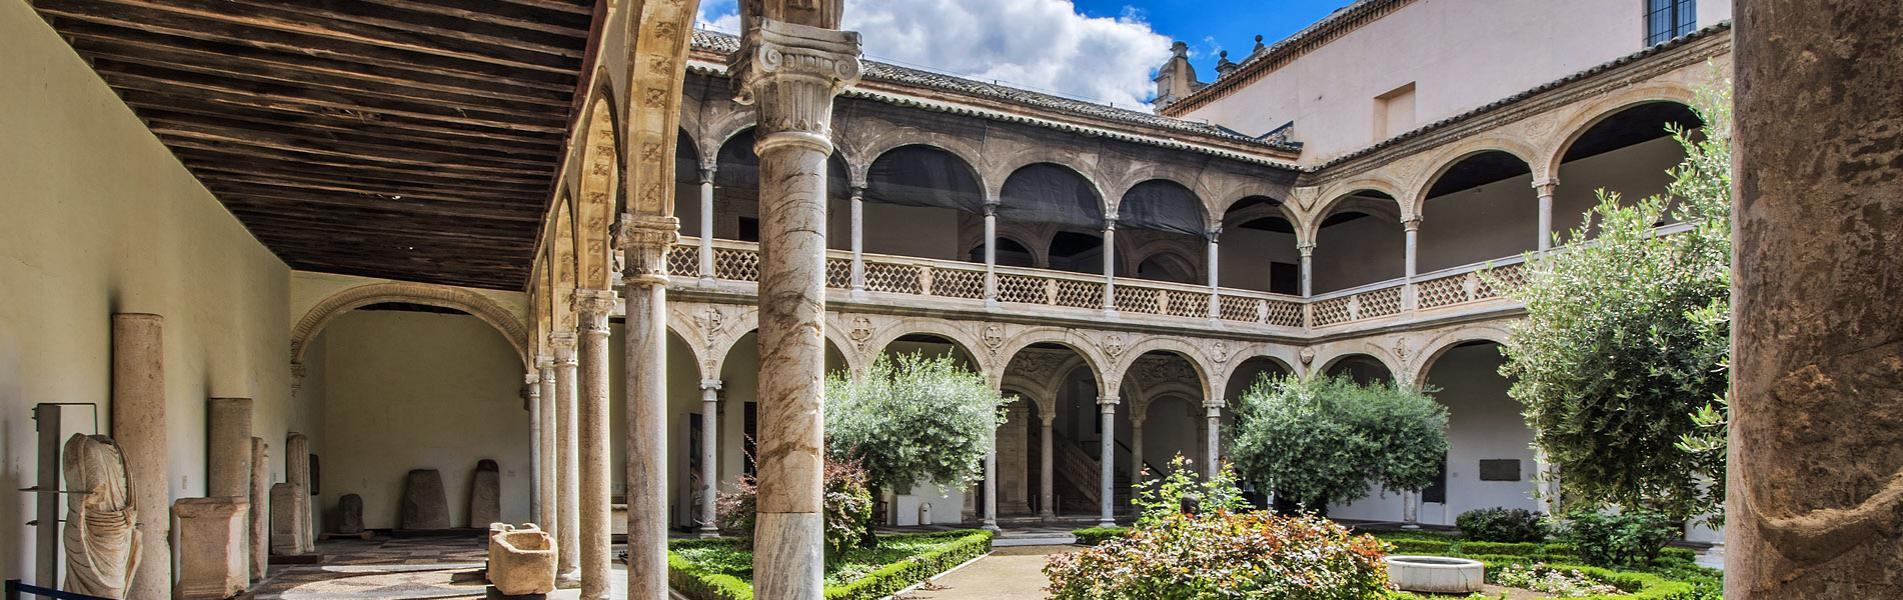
(644, 241)
(793, 71)
(594, 303)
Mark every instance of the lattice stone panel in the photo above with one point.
(887, 277)
(1444, 291)
(739, 265)
(1137, 300)
(958, 283)
(1233, 308)
(683, 260)
(838, 273)
(1379, 303)
(1283, 312)
(1331, 311)
(1079, 294)
(1498, 281)
(1188, 304)
(1026, 289)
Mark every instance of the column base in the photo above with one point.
(1106, 523)
(707, 532)
(1046, 517)
(991, 526)
(1410, 525)
(568, 581)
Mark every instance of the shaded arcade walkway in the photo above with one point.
(391, 569)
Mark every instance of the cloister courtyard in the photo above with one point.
(640, 299)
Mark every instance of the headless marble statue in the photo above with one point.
(102, 543)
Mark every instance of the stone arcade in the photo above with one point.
(448, 215)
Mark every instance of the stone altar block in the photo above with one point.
(425, 505)
(521, 561)
(284, 518)
(212, 562)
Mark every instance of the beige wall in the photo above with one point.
(412, 390)
(100, 218)
(1459, 54)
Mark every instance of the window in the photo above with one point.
(1667, 19)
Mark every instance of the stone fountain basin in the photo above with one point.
(1436, 574)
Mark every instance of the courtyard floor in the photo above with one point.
(1013, 572)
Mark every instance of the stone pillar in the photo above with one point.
(1138, 414)
(707, 221)
(1106, 476)
(211, 554)
(991, 485)
(1215, 279)
(1546, 188)
(592, 448)
(1212, 438)
(792, 71)
(138, 425)
(1815, 479)
(991, 251)
(1308, 268)
(709, 453)
(1411, 263)
(297, 471)
(567, 458)
(1411, 509)
(1110, 264)
(644, 240)
(858, 238)
(259, 495)
(533, 380)
(228, 455)
(1046, 496)
(548, 486)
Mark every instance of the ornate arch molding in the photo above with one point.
(659, 35)
(1333, 353)
(1437, 346)
(1446, 158)
(1007, 349)
(1197, 359)
(1332, 197)
(443, 296)
(1592, 113)
(948, 330)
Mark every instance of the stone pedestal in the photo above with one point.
(228, 455)
(1815, 478)
(260, 516)
(284, 519)
(212, 563)
(521, 561)
(485, 494)
(425, 505)
(138, 425)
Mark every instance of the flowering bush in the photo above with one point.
(1559, 582)
(848, 507)
(1254, 555)
(1159, 499)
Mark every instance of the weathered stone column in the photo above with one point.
(1815, 484)
(297, 471)
(591, 411)
(709, 453)
(138, 425)
(858, 238)
(1046, 497)
(1546, 188)
(567, 459)
(1138, 414)
(707, 170)
(260, 497)
(1110, 263)
(550, 487)
(1308, 268)
(991, 251)
(1215, 279)
(1411, 263)
(644, 240)
(1107, 452)
(991, 485)
(1212, 438)
(534, 381)
(228, 455)
(792, 71)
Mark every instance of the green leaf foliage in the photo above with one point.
(1501, 524)
(913, 419)
(1316, 440)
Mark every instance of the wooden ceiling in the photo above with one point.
(408, 139)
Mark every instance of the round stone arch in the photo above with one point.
(1328, 355)
(1037, 251)
(1589, 114)
(597, 195)
(1438, 346)
(1045, 392)
(1308, 227)
(1220, 211)
(999, 172)
(1155, 248)
(540, 316)
(1008, 350)
(1197, 360)
(934, 327)
(1190, 179)
(658, 43)
(1448, 157)
(426, 294)
(1286, 362)
(862, 157)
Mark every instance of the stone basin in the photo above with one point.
(521, 560)
(1436, 574)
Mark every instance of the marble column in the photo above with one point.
(792, 72)
(1107, 452)
(533, 380)
(707, 221)
(567, 476)
(297, 472)
(259, 495)
(549, 477)
(1215, 279)
(709, 453)
(1546, 188)
(1308, 268)
(991, 485)
(138, 425)
(1138, 414)
(644, 240)
(858, 238)
(1212, 439)
(991, 251)
(1046, 496)
(592, 450)
(1410, 261)
(228, 452)
(1110, 264)
(1411, 509)
(1815, 478)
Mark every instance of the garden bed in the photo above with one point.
(1672, 576)
(719, 569)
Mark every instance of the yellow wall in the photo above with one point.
(100, 218)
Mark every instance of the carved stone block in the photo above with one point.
(212, 563)
(485, 494)
(425, 505)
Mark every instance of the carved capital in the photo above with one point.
(530, 379)
(644, 241)
(1546, 186)
(594, 306)
(793, 71)
(1413, 224)
(710, 384)
(544, 362)
(563, 343)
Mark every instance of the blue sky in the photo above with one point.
(1100, 50)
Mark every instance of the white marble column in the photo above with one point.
(533, 380)
(1212, 439)
(792, 72)
(1308, 268)
(1137, 416)
(991, 485)
(1410, 261)
(706, 221)
(592, 447)
(1546, 188)
(549, 490)
(567, 450)
(1107, 451)
(1046, 496)
(991, 251)
(709, 453)
(1215, 279)
(138, 425)
(858, 238)
(1110, 264)
(1411, 509)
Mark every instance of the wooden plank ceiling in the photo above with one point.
(409, 139)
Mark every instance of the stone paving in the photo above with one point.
(413, 568)
(1006, 573)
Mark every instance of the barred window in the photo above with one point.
(1667, 19)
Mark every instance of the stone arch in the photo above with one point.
(658, 41)
(1045, 392)
(1592, 113)
(1448, 158)
(862, 156)
(1000, 172)
(1160, 249)
(599, 193)
(1438, 346)
(1068, 338)
(933, 327)
(564, 276)
(1036, 251)
(1190, 353)
(723, 130)
(1309, 226)
(1340, 350)
(477, 305)
(1234, 365)
(1190, 179)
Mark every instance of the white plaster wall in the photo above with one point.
(1244, 255)
(1487, 222)
(1359, 252)
(100, 218)
(413, 390)
(1460, 54)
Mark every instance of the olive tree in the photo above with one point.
(1316, 440)
(913, 419)
(1620, 361)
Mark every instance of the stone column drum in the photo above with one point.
(709, 455)
(592, 441)
(792, 71)
(1815, 478)
(138, 425)
(1107, 456)
(211, 554)
(260, 513)
(644, 241)
(229, 454)
(567, 478)
(297, 470)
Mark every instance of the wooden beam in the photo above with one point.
(344, 197)
(199, 162)
(153, 108)
(396, 154)
(499, 13)
(279, 159)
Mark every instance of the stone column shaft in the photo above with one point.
(1106, 476)
(260, 497)
(138, 425)
(706, 222)
(709, 453)
(792, 72)
(533, 380)
(297, 469)
(858, 238)
(1411, 261)
(1110, 265)
(644, 240)
(1046, 496)
(592, 413)
(1136, 448)
(1546, 190)
(991, 486)
(550, 478)
(1215, 279)
(1308, 269)
(567, 459)
(991, 251)
(1212, 439)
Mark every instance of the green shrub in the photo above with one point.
(1091, 536)
(1513, 549)
(1254, 555)
(1502, 525)
(1420, 546)
(1630, 538)
(719, 569)
(888, 580)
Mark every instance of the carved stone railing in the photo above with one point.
(1083, 293)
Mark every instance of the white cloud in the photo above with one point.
(1043, 45)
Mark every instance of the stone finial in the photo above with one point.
(1224, 66)
(1176, 78)
(1259, 47)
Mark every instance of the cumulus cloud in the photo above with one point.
(1045, 45)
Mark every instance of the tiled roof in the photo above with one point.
(722, 43)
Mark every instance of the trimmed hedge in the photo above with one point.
(699, 584)
(1419, 546)
(1091, 536)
